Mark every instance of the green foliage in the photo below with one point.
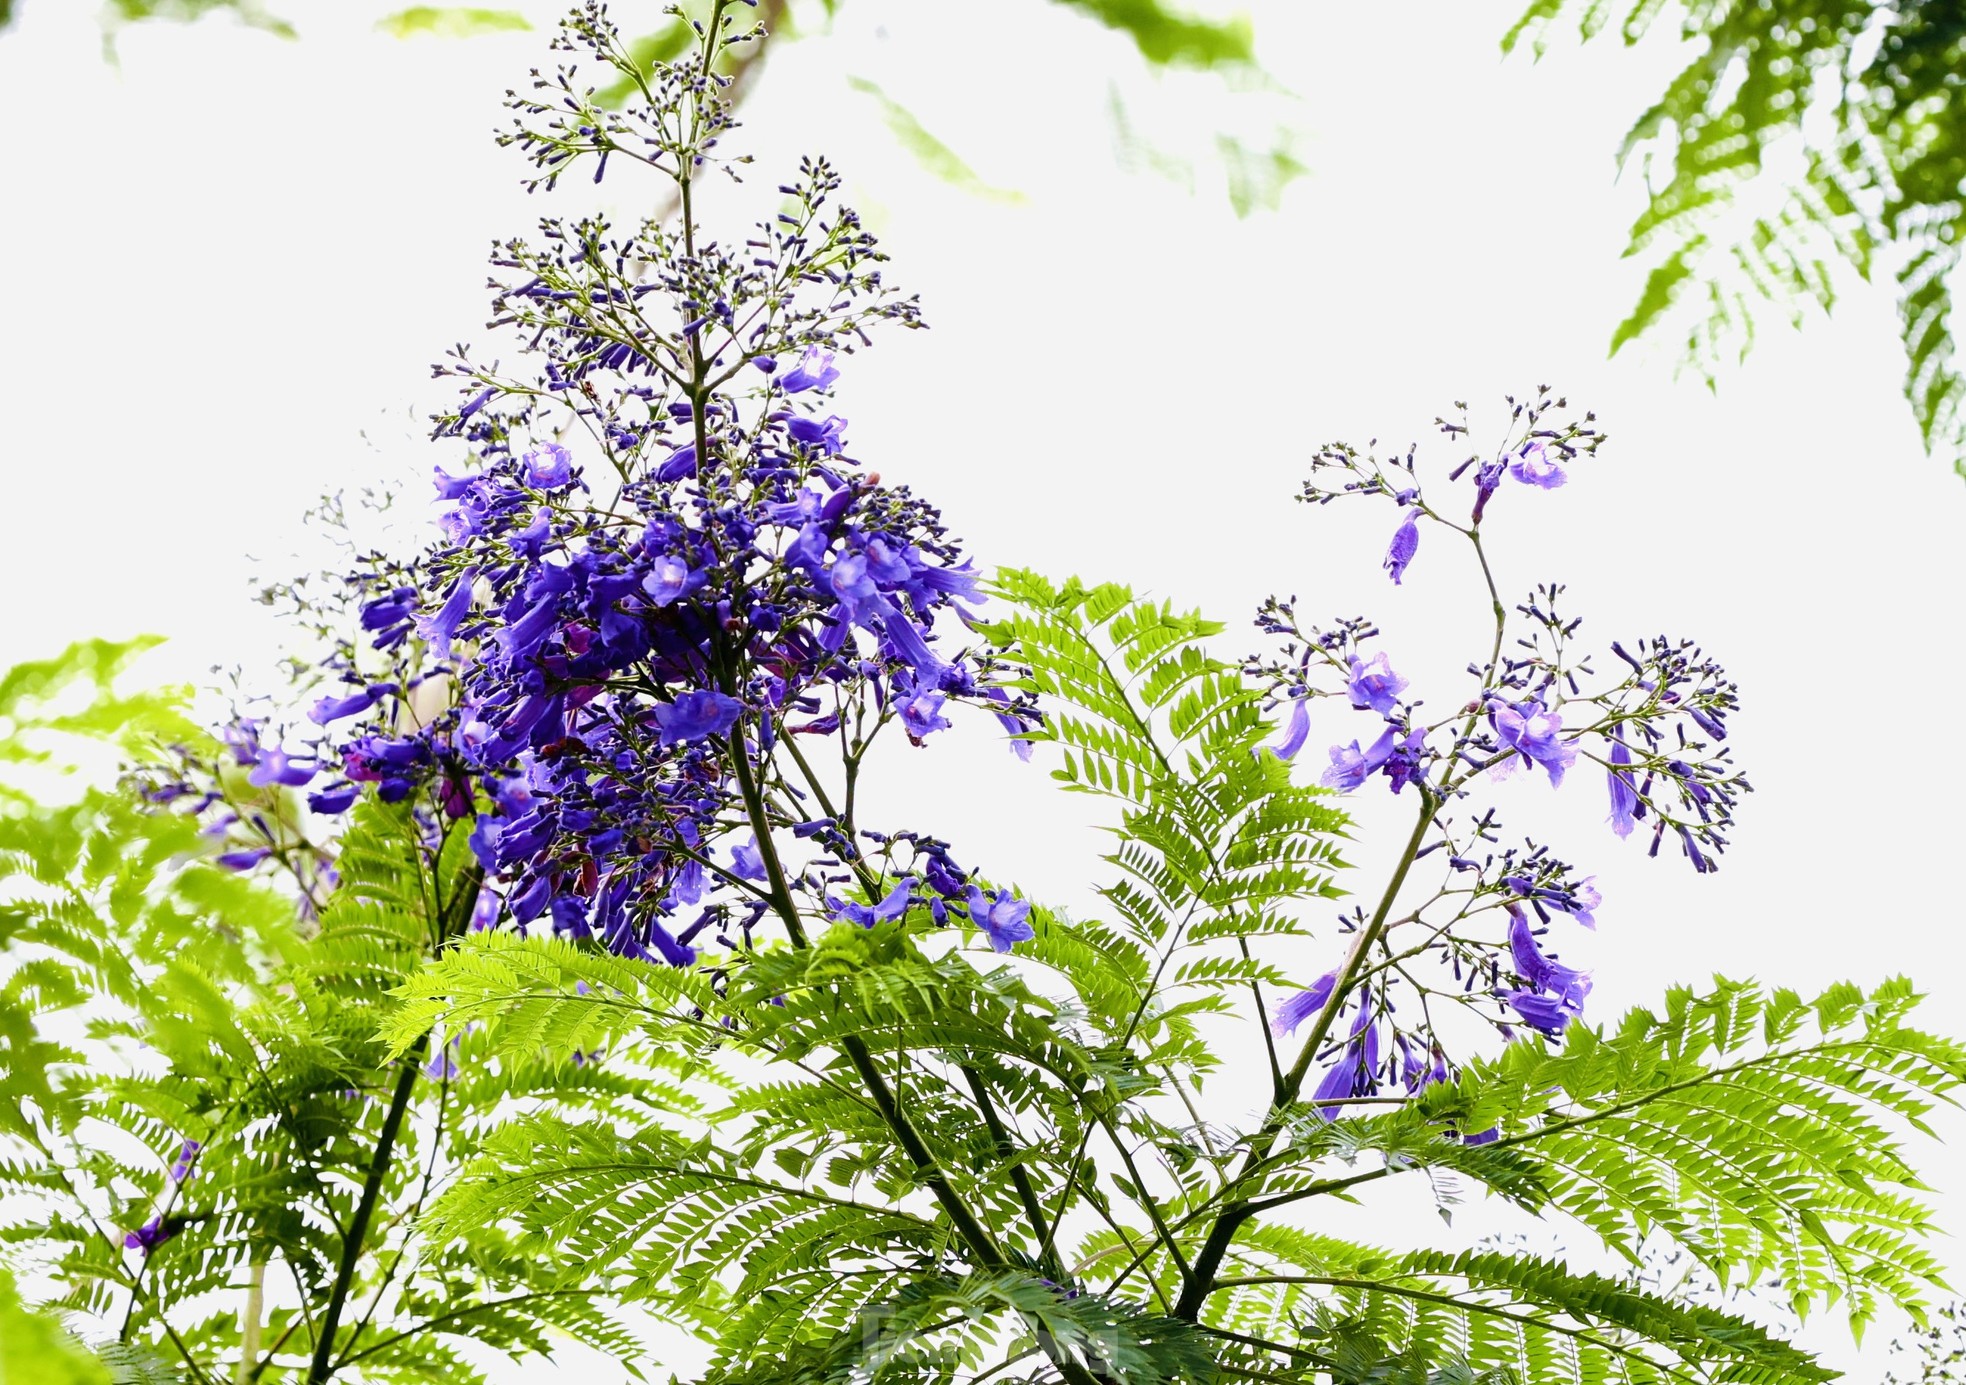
(251, 13)
(148, 996)
(451, 21)
(817, 1113)
(888, 1154)
(931, 153)
(1754, 1130)
(767, 1198)
(1880, 156)
(1168, 38)
(35, 1351)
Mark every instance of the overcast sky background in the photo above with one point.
(232, 258)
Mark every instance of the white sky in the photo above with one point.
(233, 259)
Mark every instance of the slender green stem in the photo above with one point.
(1208, 1260)
(1020, 1178)
(450, 916)
(358, 1229)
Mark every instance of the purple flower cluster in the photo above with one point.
(659, 570)
(1658, 731)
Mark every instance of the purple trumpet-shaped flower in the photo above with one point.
(1534, 733)
(1287, 745)
(440, 627)
(920, 710)
(1488, 480)
(1583, 902)
(860, 599)
(1534, 466)
(276, 767)
(680, 463)
(1625, 807)
(827, 437)
(1005, 920)
(1353, 1075)
(1351, 767)
(1303, 1005)
(152, 1234)
(245, 858)
(670, 579)
(695, 715)
(451, 487)
(1373, 685)
(337, 798)
(460, 526)
(1406, 542)
(672, 951)
(814, 371)
(1547, 1013)
(1408, 761)
(442, 1066)
(884, 910)
(332, 709)
(746, 861)
(1414, 1071)
(548, 466)
(1540, 972)
(187, 1155)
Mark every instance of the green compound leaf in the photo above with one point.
(930, 152)
(451, 21)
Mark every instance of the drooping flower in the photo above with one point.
(695, 715)
(1541, 972)
(332, 709)
(1547, 1013)
(815, 371)
(276, 767)
(337, 798)
(187, 1155)
(1583, 902)
(680, 463)
(1625, 807)
(885, 910)
(1294, 732)
(1354, 1074)
(1407, 764)
(827, 436)
(1303, 1005)
(152, 1234)
(1534, 466)
(1005, 920)
(548, 466)
(1488, 480)
(460, 525)
(746, 861)
(245, 858)
(451, 487)
(1351, 767)
(1534, 733)
(1406, 542)
(439, 628)
(1374, 685)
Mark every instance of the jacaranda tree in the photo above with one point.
(552, 972)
